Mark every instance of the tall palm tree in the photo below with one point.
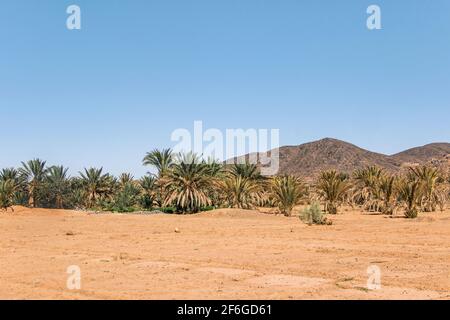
(187, 184)
(332, 188)
(162, 160)
(34, 172)
(95, 184)
(287, 192)
(59, 183)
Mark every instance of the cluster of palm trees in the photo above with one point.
(185, 183)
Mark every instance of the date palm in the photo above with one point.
(367, 188)
(245, 170)
(162, 160)
(428, 178)
(332, 188)
(59, 183)
(388, 193)
(187, 184)
(125, 178)
(287, 192)
(6, 194)
(34, 173)
(410, 193)
(149, 185)
(96, 184)
(241, 192)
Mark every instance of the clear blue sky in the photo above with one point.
(106, 94)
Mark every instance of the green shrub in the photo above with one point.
(207, 208)
(168, 209)
(313, 215)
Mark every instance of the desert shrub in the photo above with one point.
(207, 208)
(168, 209)
(146, 202)
(314, 215)
(126, 199)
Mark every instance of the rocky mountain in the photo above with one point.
(308, 159)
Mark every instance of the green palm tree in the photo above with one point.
(367, 188)
(187, 184)
(410, 195)
(241, 192)
(287, 192)
(95, 184)
(6, 194)
(332, 188)
(125, 178)
(245, 170)
(388, 193)
(34, 173)
(149, 185)
(428, 178)
(59, 183)
(162, 160)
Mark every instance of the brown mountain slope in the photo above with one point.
(309, 159)
(423, 154)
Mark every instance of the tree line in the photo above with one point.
(185, 183)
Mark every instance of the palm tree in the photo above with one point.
(410, 195)
(149, 185)
(287, 191)
(13, 175)
(125, 178)
(388, 193)
(162, 160)
(332, 188)
(187, 184)
(95, 184)
(245, 170)
(6, 194)
(367, 188)
(58, 180)
(241, 192)
(34, 172)
(428, 178)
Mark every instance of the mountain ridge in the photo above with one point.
(309, 159)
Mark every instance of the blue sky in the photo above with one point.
(137, 70)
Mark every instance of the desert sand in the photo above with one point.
(224, 254)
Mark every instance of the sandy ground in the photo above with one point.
(226, 254)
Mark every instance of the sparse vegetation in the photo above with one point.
(314, 215)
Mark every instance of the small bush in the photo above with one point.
(207, 208)
(168, 209)
(314, 215)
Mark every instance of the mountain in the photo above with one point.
(424, 154)
(309, 159)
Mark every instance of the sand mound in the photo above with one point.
(24, 211)
(234, 213)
